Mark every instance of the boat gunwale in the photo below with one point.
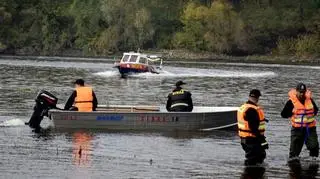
(127, 109)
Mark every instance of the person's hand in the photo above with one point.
(264, 143)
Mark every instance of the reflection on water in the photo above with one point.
(308, 170)
(253, 173)
(81, 148)
(216, 134)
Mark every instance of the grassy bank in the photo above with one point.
(177, 55)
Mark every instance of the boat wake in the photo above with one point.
(12, 123)
(108, 73)
(192, 72)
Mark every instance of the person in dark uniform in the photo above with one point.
(301, 109)
(82, 99)
(179, 99)
(251, 127)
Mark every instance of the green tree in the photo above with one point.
(224, 28)
(165, 19)
(87, 21)
(217, 28)
(132, 21)
(192, 36)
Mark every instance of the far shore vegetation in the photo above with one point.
(272, 31)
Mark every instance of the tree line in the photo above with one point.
(105, 27)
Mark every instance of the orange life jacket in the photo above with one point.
(84, 99)
(243, 125)
(303, 114)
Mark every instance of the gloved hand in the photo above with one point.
(264, 143)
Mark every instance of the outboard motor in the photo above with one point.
(44, 102)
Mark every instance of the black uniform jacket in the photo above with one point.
(252, 116)
(179, 98)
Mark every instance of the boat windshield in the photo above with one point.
(133, 58)
(125, 58)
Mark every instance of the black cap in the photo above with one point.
(255, 93)
(179, 83)
(79, 82)
(301, 87)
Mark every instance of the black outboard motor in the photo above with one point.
(44, 102)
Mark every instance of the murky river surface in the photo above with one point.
(218, 154)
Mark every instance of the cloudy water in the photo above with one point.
(216, 154)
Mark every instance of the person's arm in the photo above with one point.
(94, 102)
(168, 103)
(252, 117)
(287, 110)
(70, 101)
(315, 107)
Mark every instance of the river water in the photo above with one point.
(217, 154)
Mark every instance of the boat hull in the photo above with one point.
(137, 118)
(123, 70)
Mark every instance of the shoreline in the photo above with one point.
(179, 55)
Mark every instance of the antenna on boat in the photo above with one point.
(107, 101)
(160, 64)
(108, 104)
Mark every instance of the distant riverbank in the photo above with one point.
(182, 55)
(207, 56)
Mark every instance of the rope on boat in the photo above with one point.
(220, 127)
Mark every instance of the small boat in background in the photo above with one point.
(135, 62)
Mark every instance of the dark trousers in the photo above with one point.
(299, 136)
(255, 154)
(180, 109)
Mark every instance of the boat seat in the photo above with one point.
(128, 109)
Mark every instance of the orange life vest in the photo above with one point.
(84, 99)
(303, 114)
(243, 125)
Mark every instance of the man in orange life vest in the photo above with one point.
(179, 99)
(302, 110)
(83, 98)
(251, 126)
